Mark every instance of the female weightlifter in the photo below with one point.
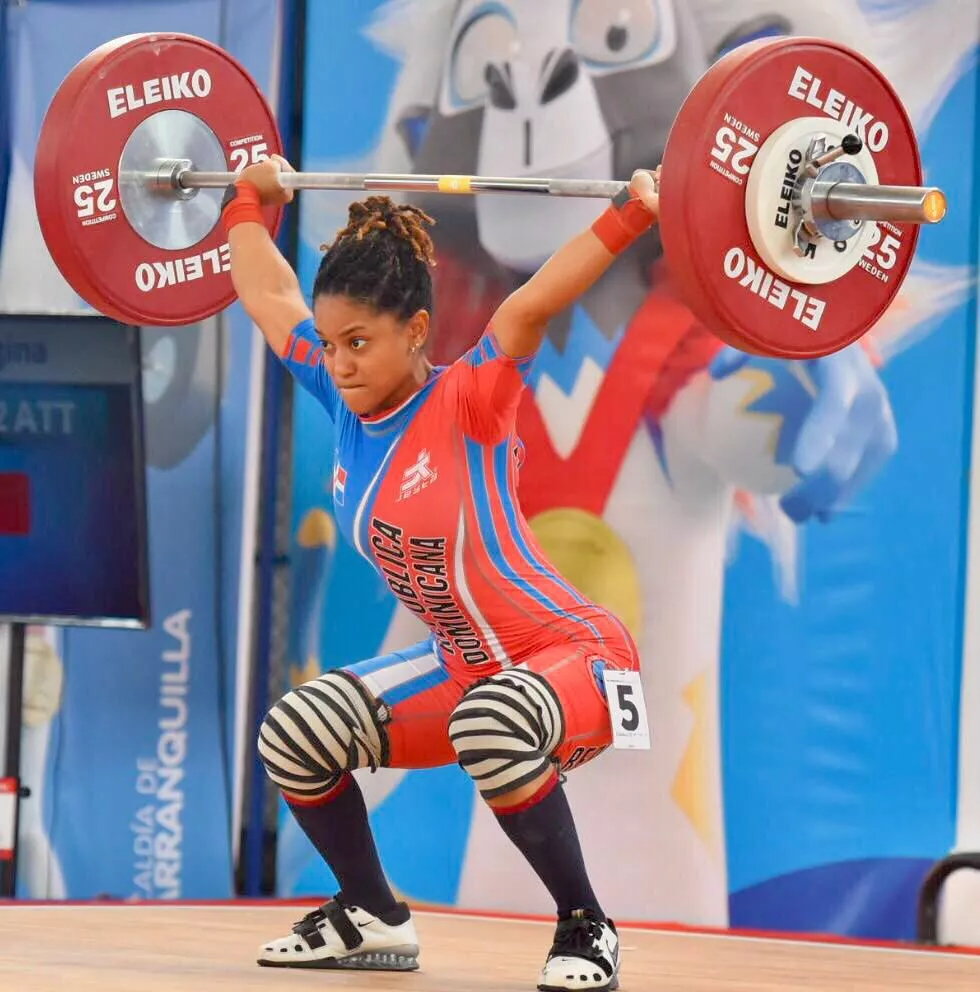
(510, 682)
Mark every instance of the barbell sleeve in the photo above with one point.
(860, 201)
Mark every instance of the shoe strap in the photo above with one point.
(308, 928)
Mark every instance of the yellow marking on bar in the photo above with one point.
(454, 184)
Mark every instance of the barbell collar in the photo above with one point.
(861, 202)
(166, 179)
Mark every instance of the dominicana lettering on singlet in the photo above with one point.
(418, 576)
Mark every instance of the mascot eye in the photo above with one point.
(615, 32)
(488, 36)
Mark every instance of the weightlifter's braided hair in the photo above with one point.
(381, 258)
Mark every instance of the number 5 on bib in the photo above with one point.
(627, 709)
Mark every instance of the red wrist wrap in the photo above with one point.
(245, 206)
(622, 222)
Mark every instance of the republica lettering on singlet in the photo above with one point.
(386, 539)
(419, 577)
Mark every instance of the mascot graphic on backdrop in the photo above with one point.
(648, 443)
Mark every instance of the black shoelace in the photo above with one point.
(578, 937)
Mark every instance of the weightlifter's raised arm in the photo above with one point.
(265, 282)
(520, 321)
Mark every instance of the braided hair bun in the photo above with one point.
(380, 213)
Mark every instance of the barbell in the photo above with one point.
(791, 187)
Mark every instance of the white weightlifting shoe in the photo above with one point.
(340, 936)
(585, 955)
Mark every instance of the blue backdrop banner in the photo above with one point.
(130, 759)
(783, 538)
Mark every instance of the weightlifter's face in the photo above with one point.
(368, 354)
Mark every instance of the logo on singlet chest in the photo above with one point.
(417, 476)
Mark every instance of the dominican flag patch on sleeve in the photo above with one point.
(339, 483)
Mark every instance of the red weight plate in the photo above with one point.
(130, 255)
(730, 113)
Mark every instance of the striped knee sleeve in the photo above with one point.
(319, 731)
(505, 729)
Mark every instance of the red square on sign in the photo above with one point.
(15, 504)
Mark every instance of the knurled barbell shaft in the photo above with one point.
(838, 201)
(419, 183)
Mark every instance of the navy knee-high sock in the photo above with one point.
(338, 827)
(543, 830)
